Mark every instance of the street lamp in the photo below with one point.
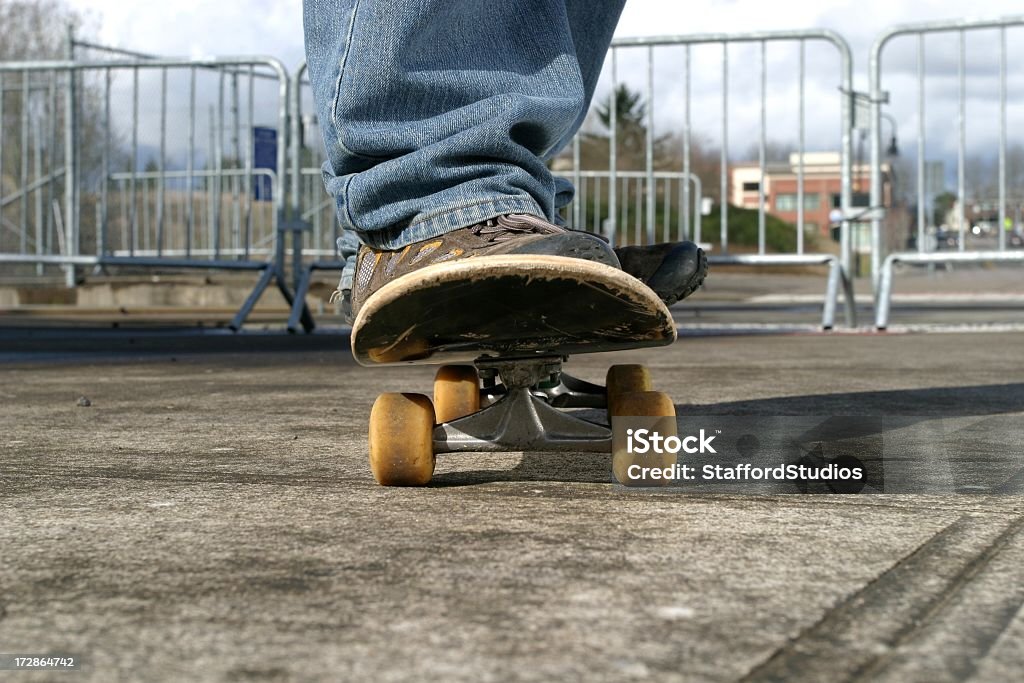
(893, 149)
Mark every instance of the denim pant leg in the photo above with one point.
(437, 114)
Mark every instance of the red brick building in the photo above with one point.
(822, 186)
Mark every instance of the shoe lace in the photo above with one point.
(504, 228)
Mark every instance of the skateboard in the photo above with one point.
(501, 327)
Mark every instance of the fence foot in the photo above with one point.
(300, 312)
(850, 303)
(297, 302)
(269, 273)
(837, 276)
(883, 297)
(828, 313)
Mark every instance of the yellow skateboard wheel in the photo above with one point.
(645, 404)
(456, 392)
(402, 440)
(625, 379)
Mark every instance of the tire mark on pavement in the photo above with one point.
(864, 634)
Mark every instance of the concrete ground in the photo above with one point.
(210, 516)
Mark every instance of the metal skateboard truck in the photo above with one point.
(504, 404)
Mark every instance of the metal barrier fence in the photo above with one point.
(647, 199)
(317, 211)
(203, 199)
(317, 208)
(77, 189)
(680, 206)
(162, 214)
(147, 162)
(36, 144)
(882, 270)
(838, 266)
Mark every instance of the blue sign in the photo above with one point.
(264, 153)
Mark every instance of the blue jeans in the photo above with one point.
(438, 114)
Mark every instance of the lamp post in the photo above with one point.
(891, 152)
(893, 149)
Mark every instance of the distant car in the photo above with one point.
(946, 239)
(982, 228)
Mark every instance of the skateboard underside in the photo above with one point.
(508, 306)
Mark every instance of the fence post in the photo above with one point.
(71, 164)
(846, 163)
(291, 180)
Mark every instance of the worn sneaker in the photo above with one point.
(509, 234)
(674, 270)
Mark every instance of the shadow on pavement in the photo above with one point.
(980, 399)
(65, 344)
(909, 405)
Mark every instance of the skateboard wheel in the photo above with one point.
(645, 404)
(456, 392)
(624, 379)
(402, 440)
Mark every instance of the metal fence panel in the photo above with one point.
(158, 168)
(968, 249)
(140, 161)
(156, 165)
(34, 191)
(140, 182)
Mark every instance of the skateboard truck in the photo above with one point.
(502, 404)
(522, 415)
(559, 389)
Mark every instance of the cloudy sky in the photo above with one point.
(211, 27)
(219, 27)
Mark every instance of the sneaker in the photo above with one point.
(509, 234)
(674, 270)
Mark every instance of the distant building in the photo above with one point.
(822, 187)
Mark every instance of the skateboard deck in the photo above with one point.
(512, 306)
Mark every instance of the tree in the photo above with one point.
(630, 132)
(26, 32)
(631, 143)
(37, 30)
(943, 204)
(705, 160)
(629, 109)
